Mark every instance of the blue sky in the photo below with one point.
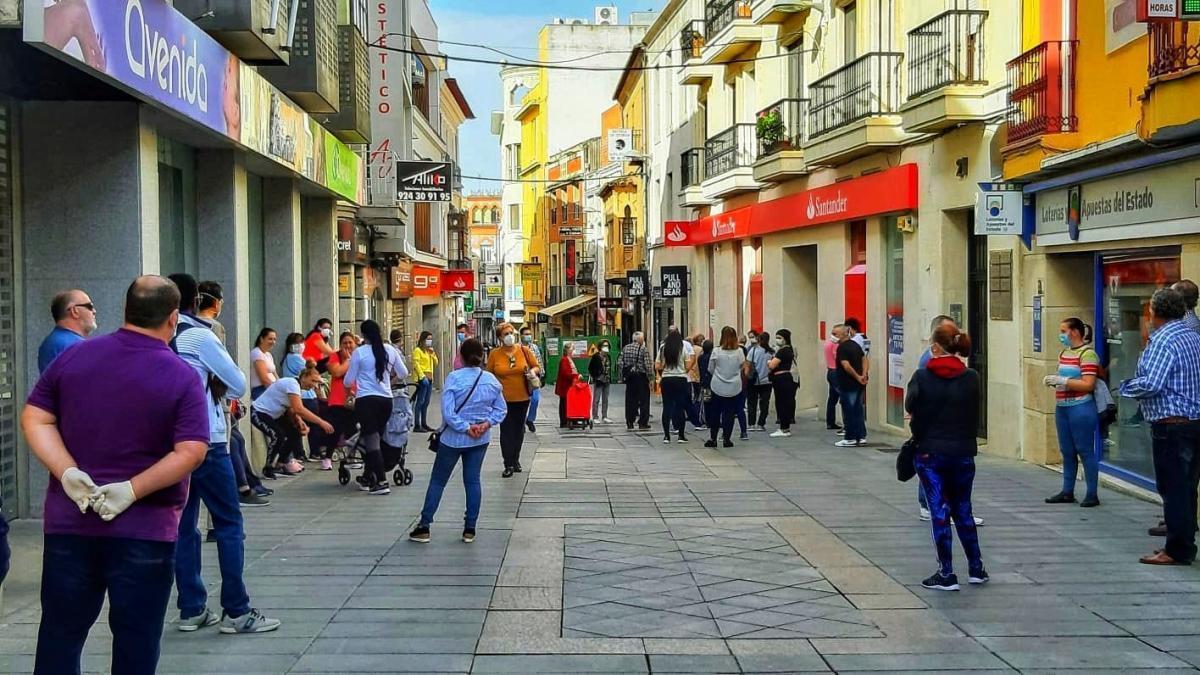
(512, 26)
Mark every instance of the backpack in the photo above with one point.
(216, 388)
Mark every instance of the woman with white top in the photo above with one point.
(373, 368)
(262, 370)
(673, 363)
(281, 416)
(728, 367)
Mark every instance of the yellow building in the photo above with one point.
(532, 170)
(1102, 131)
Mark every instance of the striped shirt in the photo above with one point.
(1191, 320)
(1168, 374)
(1073, 364)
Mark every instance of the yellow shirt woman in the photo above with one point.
(424, 361)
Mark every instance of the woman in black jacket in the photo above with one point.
(943, 399)
(599, 369)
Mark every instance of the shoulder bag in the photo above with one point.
(532, 381)
(435, 439)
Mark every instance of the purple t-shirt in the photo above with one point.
(122, 401)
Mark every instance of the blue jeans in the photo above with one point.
(740, 412)
(947, 482)
(534, 399)
(852, 414)
(443, 467)
(77, 572)
(1077, 426)
(214, 483)
(421, 403)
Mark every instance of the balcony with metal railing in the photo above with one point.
(779, 11)
(731, 30)
(1174, 48)
(948, 73)
(691, 177)
(781, 130)
(855, 109)
(1174, 64)
(381, 205)
(729, 162)
(1041, 92)
(691, 43)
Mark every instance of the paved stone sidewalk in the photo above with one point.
(615, 553)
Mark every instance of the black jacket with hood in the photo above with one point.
(943, 399)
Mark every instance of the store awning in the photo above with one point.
(567, 306)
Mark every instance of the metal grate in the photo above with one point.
(8, 313)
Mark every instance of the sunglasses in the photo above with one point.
(86, 305)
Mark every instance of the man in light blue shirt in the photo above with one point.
(472, 403)
(74, 317)
(213, 483)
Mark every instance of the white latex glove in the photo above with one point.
(79, 487)
(113, 499)
(1057, 381)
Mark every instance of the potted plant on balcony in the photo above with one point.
(744, 10)
(771, 132)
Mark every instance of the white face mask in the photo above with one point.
(604, 349)
(509, 340)
(779, 342)
(429, 342)
(326, 332)
(297, 349)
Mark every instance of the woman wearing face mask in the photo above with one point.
(1075, 415)
(262, 371)
(317, 347)
(567, 376)
(600, 369)
(780, 370)
(536, 396)
(292, 365)
(511, 364)
(424, 360)
(341, 417)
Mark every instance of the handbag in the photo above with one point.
(435, 439)
(532, 381)
(905, 469)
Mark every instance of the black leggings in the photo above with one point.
(372, 413)
(282, 438)
(676, 401)
(785, 400)
(512, 433)
(342, 420)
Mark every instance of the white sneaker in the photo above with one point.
(780, 434)
(925, 515)
(844, 443)
(606, 420)
(862, 442)
(841, 432)
(978, 521)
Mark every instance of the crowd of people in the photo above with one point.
(167, 438)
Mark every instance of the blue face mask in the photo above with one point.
(462, 336)
(1066, 341)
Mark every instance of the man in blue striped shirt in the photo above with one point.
(1168, 385)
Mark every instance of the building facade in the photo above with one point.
(1103, 137)
(223, 170)
(515, 232)
(813, 163)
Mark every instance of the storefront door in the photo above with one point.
(1124, 285)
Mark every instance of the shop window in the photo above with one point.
(894, 327)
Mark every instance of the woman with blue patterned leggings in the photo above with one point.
(943, 399)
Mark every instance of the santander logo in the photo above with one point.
(459, 283)
(677, 234)
(818, 207)
(723, 227)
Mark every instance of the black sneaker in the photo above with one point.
(979, 576)
(941, 582)
(363, 484)
(381, 489)
(1061, 498)
(834, 427)
(646, 427)
(268, 472)
(211, 537)
(727, 443)
(508, 472)
(468, 535)
(710, 444)
(531, 427)
(263, 491)
(251, 499)
(420, 534)
(517, 468)
(1089, 502)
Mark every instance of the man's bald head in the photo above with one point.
(150, 302)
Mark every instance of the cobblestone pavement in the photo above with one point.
(615, 553)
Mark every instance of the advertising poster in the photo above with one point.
(274, 126)
(895, 350)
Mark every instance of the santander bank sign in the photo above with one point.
(891, 191)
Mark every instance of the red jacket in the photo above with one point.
(567, 375)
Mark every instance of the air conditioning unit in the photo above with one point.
(606, 16)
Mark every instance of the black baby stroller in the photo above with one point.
(393, 442)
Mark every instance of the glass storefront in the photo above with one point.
(1124, 286)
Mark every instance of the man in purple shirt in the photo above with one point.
(127, 411)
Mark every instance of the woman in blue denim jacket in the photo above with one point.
(472, 403)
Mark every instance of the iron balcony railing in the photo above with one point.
(946, 50)
(691, 39)
(718, 14)
(792, 114)
(1173, 48)
(691, 167)
(1041, 91)
(731, 149)
(868, 85)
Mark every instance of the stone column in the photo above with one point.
(284, 264)
(320, 278)
(221, 217)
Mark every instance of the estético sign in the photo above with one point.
(890, 191)
(1160, 201)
